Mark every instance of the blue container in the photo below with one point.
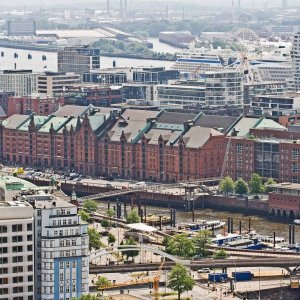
(217, 277)
(242, 276)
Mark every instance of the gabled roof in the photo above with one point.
(243, 126)
(217, 122)
(73, 110)
(174, 117)
(15, 121)
(197, 136)
(56, 122)
(39, 121)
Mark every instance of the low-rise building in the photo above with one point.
(54, 83)
(20, 82)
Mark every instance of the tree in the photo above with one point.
(133, 217)
(179, 280)
(201, 240)
(84, 216)
(255, 184)
(221, 253)
(130, 253)
(241, 187)
(268, 188)
(94, 239)
(227, 185)
(111, 238)
(102, 282)
(110, 213)
(105, 224)
(180, 245)
(90, 206)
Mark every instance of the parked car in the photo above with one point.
(204, 270)
(109, 185)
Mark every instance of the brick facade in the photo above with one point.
(134, 144)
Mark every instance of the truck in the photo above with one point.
(242, 276)
(218, 277)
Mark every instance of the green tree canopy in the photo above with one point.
(202, 240)
(180, 245)
(133, 217)
(130, 253)
(110, 213)
(221, 253)
(241, 187)
(255, 184)
(227, 185)
(111, 238)
(89, 206)
(105, 224)
(94, 239)
(84, 216)
(179, 280)
(102, 283)
(268, 188)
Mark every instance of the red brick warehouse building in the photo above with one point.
(131, 144)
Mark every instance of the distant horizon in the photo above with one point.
(115, 3)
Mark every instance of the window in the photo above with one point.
(295, 167)
(29, 237)
(61, 265)
(3, 240)
(61, 289)
(17, 269)
(295, 153)
(61, 243)
(68, 264)
(59, 222)
(61, 276)
(3, 229)
(44, 57)
(74, 264)
(17, 238)
(16, 228)
(54, 222)
(29, 227)
(239, 148)
(64, 222)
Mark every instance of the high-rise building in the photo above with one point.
(78, 60)
(61, 248)
(21, 82)
(295, 54)
(16, 251)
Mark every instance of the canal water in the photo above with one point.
(263, 226)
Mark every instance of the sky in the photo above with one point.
(83, 3)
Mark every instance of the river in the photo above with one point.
(264, 226)
(107, 62)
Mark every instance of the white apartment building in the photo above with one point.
(215, 89)
(295, 54)
(61, 249)
(21, 82)
(16, 250)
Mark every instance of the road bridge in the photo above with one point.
(289, 264)
(196, 184)
(290, 261)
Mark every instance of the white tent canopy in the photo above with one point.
(142, 227)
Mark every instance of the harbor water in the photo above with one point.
(263, 226)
